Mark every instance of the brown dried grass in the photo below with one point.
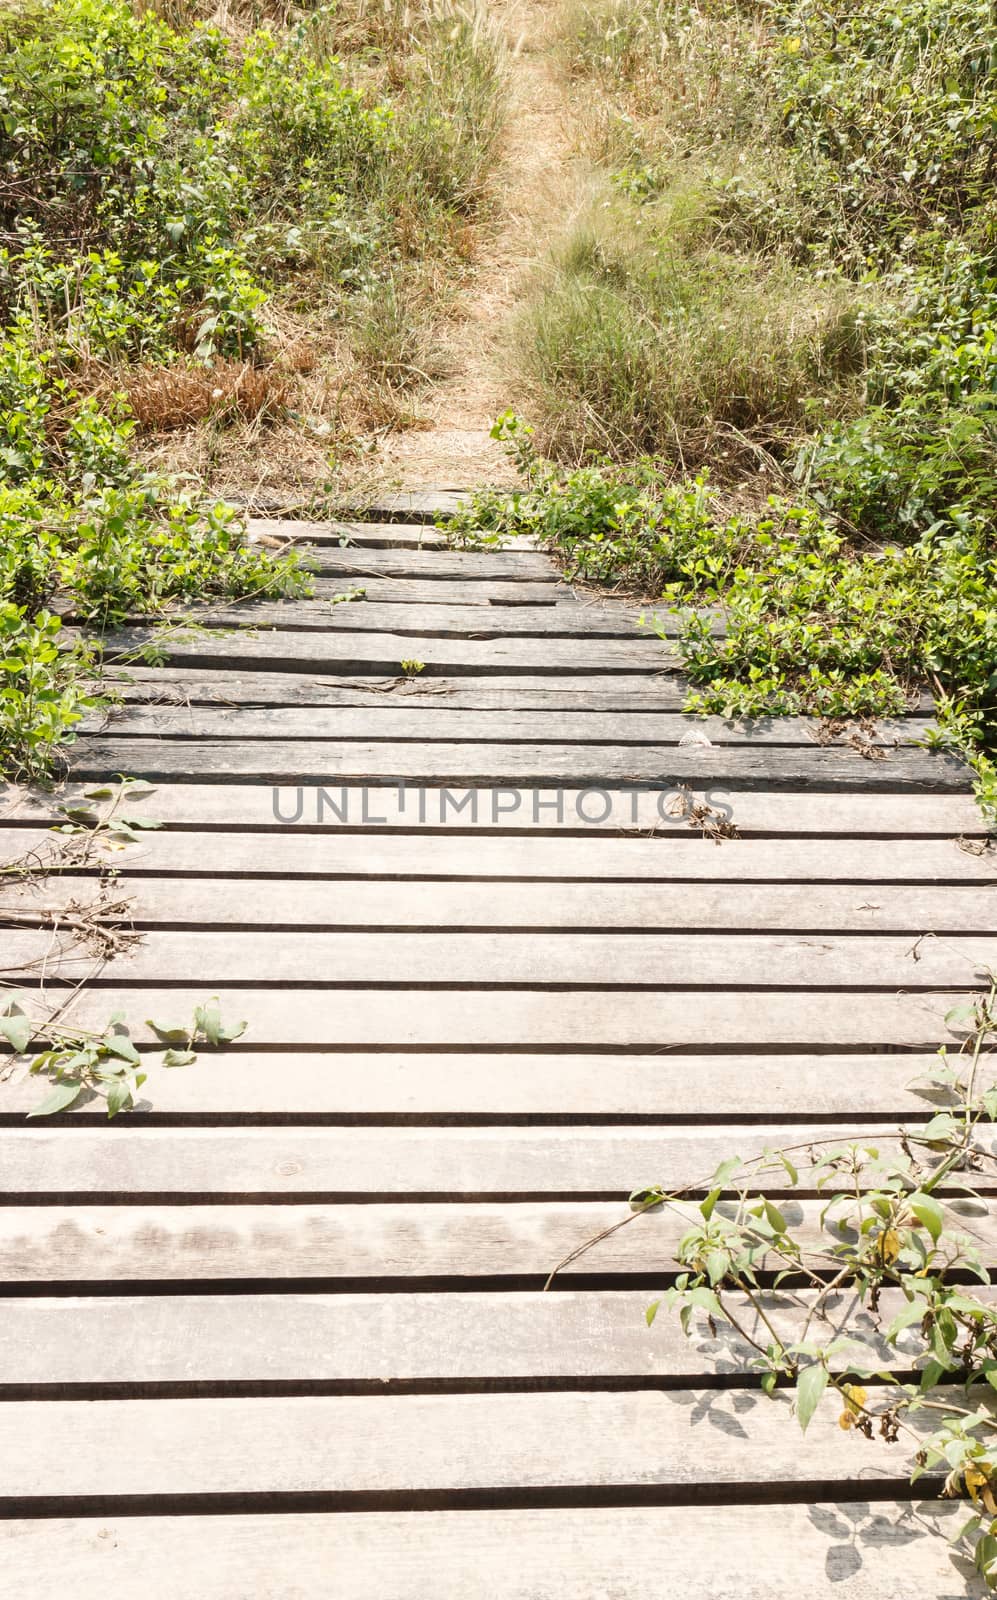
(164, 398)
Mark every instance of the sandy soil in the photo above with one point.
(532, 183)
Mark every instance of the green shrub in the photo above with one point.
(813, 625)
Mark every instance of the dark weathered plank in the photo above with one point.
(424, 621)
(624, 960)
(378, 535)
(502, 594)
(831, 1551)
(600, 692)
(456, 1243)
(337, 1162)
(242, 805)
(385, 652)
(369, 904)
(562, 1087)
(410, 505)
(508, 566)
(671, 856)
(596, 765)
(438, 721)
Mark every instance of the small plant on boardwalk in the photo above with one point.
(107, 1065)
(872, 1285)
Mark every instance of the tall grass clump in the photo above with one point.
(640, 342)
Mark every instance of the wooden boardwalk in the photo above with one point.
(279, 1333)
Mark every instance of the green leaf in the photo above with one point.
(17, 1031)
(810, 1385)
(119, 1044)
(651, 1312)
(929, 1214)
(61, 1097)
(178, 1058)
(168, 1035)
(725, 1172)
(226, 1035)
(119, 1095)
(708, 1205)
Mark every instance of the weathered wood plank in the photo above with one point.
(503, 594)
(369, 904)
(557, 1087)
(598, 765)
(439, 722)
(517, 1018)
(352, 1338)
(380, 1242)
(508, 566)
(622, 691)
(371, 853)
(430, 621)
(830, 1551)
(410, 505)
(485, 959)
(384, 1443)
(333, 1162)
(240, 805)
(379, 535)
(384, 652)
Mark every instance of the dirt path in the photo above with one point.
(533, 184)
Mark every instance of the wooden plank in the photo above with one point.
(459, 1243)
(384, 652)
(472, 566)
(436, 1443)
(376, 534)
(829, 1551)
(599, 692)
(557, 1087)
(500, 594)
(410, 505)
(379, 535)
(461, 1337)
(597, 765)
(329, 1163)
(437, 721)
(486, 959)
(372, 853)
(369, 904)
(523, 1018)
(240, 805)
(437, 621)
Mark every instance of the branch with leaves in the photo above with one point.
(887, 1235)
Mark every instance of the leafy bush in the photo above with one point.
(813, 625)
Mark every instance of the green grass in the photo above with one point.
(791, 281)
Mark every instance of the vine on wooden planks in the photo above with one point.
(83, 1064)
(878, 1286)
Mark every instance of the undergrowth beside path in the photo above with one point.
(761, 367)
(212, 228)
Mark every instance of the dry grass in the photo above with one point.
(164, 398)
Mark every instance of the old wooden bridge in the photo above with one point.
(280, 1331)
